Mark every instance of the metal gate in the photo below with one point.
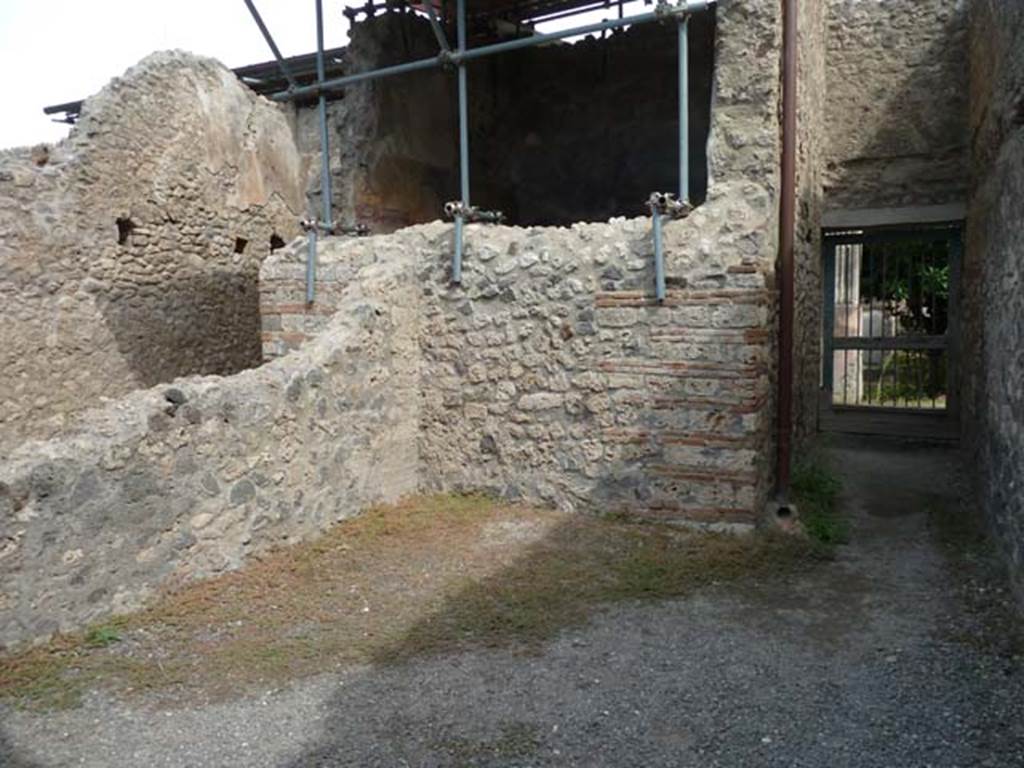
(889, 353)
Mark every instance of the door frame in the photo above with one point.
(887, 420)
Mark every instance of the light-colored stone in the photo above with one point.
(197, 163)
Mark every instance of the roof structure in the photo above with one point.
(265, 78)
(486, 20)
(483, 13)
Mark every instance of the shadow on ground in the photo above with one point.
(852, 664)
(529, 638)
(10, 757)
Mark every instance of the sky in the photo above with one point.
(53, 51)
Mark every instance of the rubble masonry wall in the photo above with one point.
(184, 481)
(896, 106)
(551, 375)
(993, 276)
(129, 253)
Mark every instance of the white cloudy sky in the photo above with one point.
(53, 51)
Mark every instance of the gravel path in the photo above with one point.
(882, 658)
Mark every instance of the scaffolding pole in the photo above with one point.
(273, 46)
(662, 12)
(435, 25)
(463, 142)
(326, 203)
(326, 197)
(684, 112)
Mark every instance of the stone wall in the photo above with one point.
(554, 375)
(551, 375)
(557, 378)
(896, 103)
(129, 252)
(993, 275)
(184, 481)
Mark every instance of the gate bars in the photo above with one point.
(663, 11)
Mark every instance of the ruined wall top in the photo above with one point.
(129, 252)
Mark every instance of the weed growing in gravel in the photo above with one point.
(102, 636)
(430, 575)
(816, 488)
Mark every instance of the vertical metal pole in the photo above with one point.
(310, 264)
(463, 142)
(953, 348)
(659, 258)
(684, 113)
(325, 149)
(457, 258)
(828, 331)
(463, 108)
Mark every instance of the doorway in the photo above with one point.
(889, 360)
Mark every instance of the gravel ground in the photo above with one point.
(886, 657)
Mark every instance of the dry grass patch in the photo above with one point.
(430, 575)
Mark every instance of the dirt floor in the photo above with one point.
(457, 632)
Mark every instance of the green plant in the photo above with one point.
(914, 378)
(816, 489)
(911, 280)
(102, 636)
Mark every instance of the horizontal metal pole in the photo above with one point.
(916, 342)
(598, 5)
(457, 57)
(342, 82)
(598, 26)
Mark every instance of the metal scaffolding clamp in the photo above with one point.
(354, 230)
(667, 204)
(357, 230)
(471, 213)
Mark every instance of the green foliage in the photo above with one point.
(102, 636)
(816, 489)
(915, 378)
(914, 287)
(935, 280)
